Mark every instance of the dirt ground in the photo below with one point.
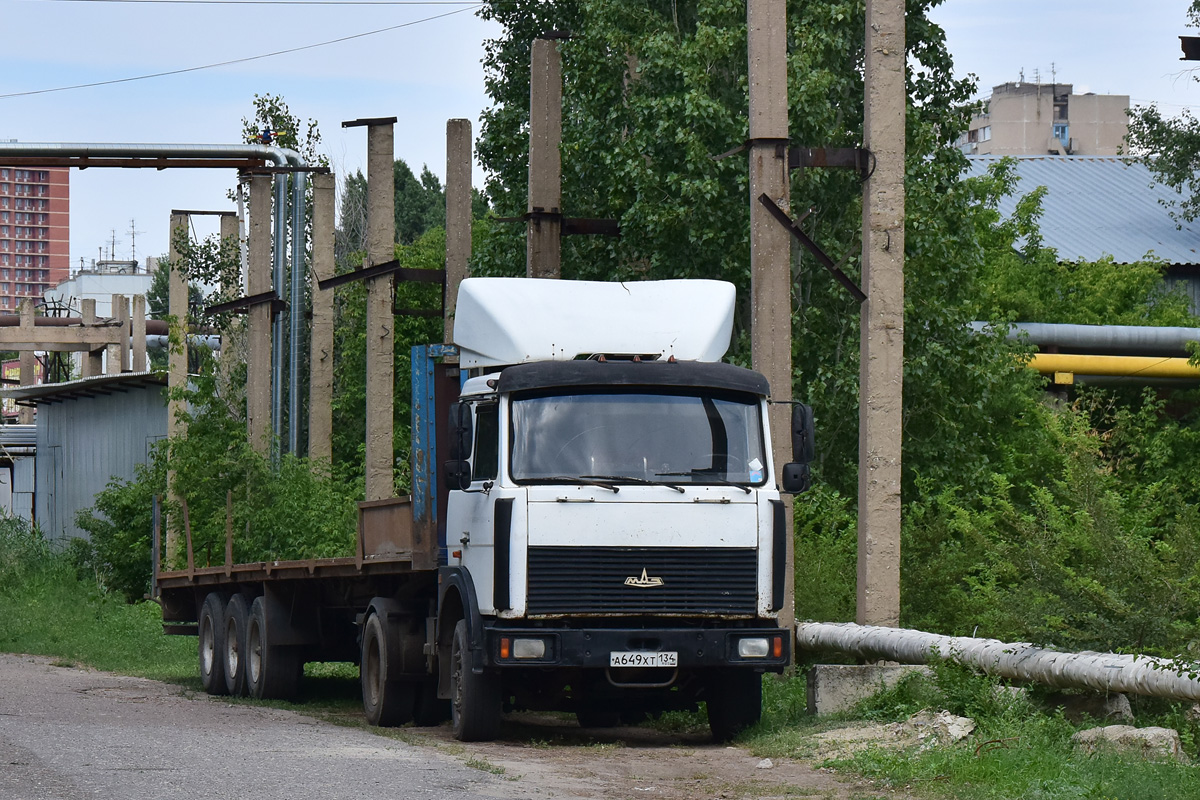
(551, 756)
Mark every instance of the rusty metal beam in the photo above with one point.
(403, 273)
(825, 261)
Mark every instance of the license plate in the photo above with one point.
(625, 658)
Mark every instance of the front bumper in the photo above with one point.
(590, 647)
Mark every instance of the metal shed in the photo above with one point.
(90, 431)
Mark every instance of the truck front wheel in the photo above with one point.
(475, 699)
(734, 699)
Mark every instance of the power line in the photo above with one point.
(239, 60)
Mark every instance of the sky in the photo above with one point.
(424, 74)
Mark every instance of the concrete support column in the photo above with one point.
(320, 386)
(544, 234)
(770, 242)
(118, 354)
(882, 360)
(231, 287)
(177, 308)
(381, 248)
(137, 333)
(458, 213)
(28, 358)
(258, 317)
(92, 361)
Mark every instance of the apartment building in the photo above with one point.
(1024, 118)
(35, 223)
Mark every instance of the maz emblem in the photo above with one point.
(645, 581)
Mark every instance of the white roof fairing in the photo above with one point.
(504, 321)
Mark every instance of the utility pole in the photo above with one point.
(320, 410)
(177, 309)
(381, 248)
(544, 211)
(770, 243)
(458, 214)
(258, 317)
(881, 378)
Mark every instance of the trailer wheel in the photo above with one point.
(271, 670)
(474, 699)
(212, 644)
(386, 701)
(734, 702)
(237, 616)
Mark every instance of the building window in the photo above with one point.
(986, 133)
(1061, 132)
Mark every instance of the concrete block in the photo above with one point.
(839, 687)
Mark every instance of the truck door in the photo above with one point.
(470, 517)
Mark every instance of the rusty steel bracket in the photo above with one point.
(812, 247)
(856, 158)
(243, 304)
(386, 268)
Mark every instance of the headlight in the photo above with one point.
(753, 648)
(529, 648)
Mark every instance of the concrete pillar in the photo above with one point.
(118, 354)
(458, 213)
(92, 362)
(881, 378)
(543, 251)
(258, 317)
(177, 308)
(320, 382)
(381, 248)
(28, 358)
(231, 287)
(138, 333)
(770, 242)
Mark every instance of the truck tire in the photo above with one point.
(212, 644)
(474, 699)
(272, 672)
(734, 702)
(387, 702)
(428, 709)
(237, 615)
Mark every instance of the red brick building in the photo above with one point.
(35, 225)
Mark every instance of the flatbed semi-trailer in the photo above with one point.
(595, 526)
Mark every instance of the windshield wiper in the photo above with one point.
(587, 479)
(642, 481)
(707, 476)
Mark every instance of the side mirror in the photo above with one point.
(803, 434)
(458, 474)
(797, 478)
(459, 429)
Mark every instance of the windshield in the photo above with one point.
(669, 438)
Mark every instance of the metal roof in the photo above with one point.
(1100, 205)
(84, 387)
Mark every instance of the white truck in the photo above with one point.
(595, 526)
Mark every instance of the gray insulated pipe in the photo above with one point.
(1111, 339)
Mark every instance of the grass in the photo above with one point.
(47, 608)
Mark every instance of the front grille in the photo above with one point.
(592, 580)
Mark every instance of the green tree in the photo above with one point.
(1170, 146)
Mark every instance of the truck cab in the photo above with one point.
(615, 541)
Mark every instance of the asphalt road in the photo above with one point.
(70, 734)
